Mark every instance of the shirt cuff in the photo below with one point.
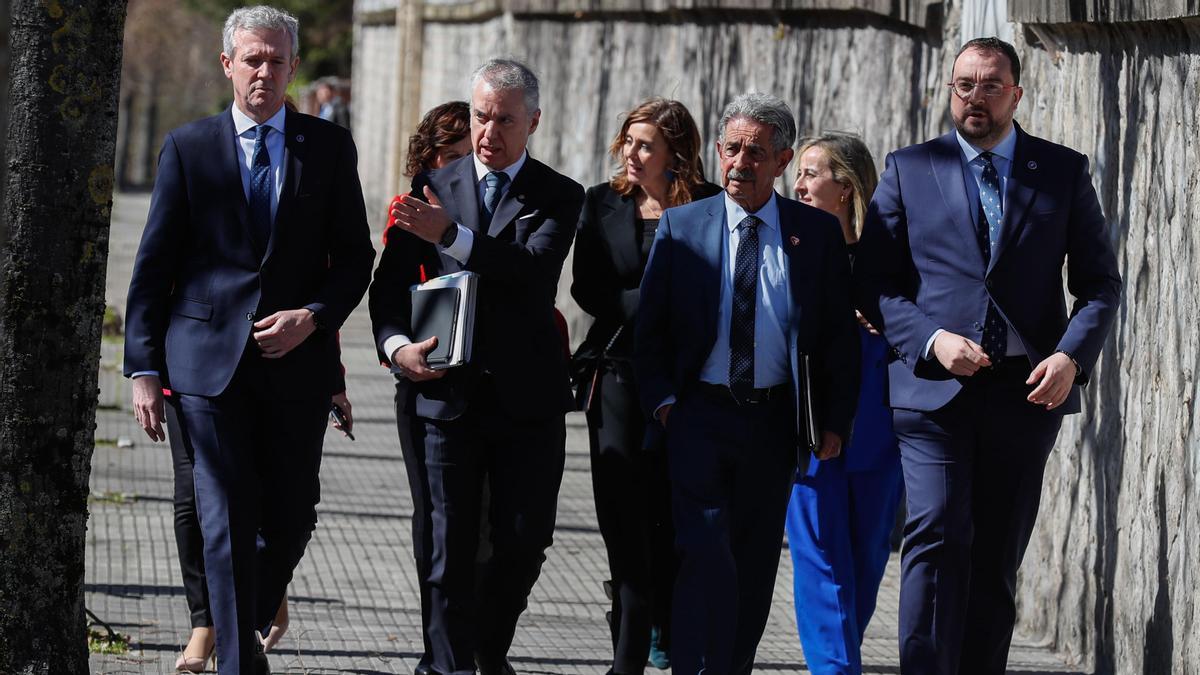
(143, 373)
(393, 343)
(460, 250)
(670, 400)
(927, 353)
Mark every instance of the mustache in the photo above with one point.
(734, 174)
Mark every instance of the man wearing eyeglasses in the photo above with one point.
(960, 267)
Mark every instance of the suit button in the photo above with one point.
(977, 325)
(250, 316)
(988, 283)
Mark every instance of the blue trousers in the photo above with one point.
(257, 458)
(730, 467)
(838, 526)
(973, 472)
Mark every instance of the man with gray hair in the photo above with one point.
(501, 418)
(256, 249)
(745, 316)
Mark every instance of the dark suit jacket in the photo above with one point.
(607, 266)
(920, 267)
(518, 259)
(199, 281)
(677, 319)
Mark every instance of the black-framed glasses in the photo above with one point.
(964, 88)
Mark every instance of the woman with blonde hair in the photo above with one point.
(657, 151)
(842, 510)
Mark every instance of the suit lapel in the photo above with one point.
(293, 162)
(464, 195)
(947, 167)
(513, 200)
(229, 156)
(791, 238)
(714, 234)
(617, 226)
(1018, 195)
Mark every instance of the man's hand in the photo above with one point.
(148, 406)
(342, 401)
(831, 445)
(862, 321)
(959, 355)
(427, 220)
(410, 359)
(1057, 374)
(662, 413)
(283, 331)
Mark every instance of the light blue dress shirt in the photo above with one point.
(772, 303)
(1002, 159)
(243, 126)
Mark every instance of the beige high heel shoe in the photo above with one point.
(196, 664)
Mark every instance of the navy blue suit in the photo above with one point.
(731, 465)
(199, 282)
(499, 418)
(973, 449)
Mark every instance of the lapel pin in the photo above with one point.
(794, 240)
(300, 139)
(1032, 165)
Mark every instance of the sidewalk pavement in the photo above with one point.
(354, 602)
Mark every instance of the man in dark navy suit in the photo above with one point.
(961, 261)
(509, 218)
(742, 289)
(255, 251)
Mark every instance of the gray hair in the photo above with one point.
(506, 75)
(260, 17)
(764, 109)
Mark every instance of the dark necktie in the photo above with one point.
(260, 187)
(494, 184)
(741, 325)
(991, 213)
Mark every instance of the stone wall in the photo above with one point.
(1109, 577)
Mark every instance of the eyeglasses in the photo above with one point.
(964, 88)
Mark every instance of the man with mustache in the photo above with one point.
(960, 265)
(255, 251)
(741, 292)
(509, 218)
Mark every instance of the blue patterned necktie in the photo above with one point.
(494, 186)
(741, 324)
(260, 187)
(991, 213)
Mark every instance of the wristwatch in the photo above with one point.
(449, 236)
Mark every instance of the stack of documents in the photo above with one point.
(445, 307)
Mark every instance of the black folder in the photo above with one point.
(435, 312)
(809, 435)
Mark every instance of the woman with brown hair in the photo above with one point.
(442, 136)
(658, 156)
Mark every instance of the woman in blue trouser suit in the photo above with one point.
(842, 510)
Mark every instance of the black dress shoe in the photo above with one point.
(501, 667)
(424, 669)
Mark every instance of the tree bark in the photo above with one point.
(62, 115)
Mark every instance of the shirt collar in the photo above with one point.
(1004, 149)
(242, 122)
(735, 214)
(482, 170)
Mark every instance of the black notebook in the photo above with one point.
(435, 312)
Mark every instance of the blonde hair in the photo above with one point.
(851, 165)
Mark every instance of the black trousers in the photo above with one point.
(633, 507)
(522, 463)
(188, 541)
(422, 528)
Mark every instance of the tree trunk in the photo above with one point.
(62, 116)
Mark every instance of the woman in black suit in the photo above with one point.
(658, 152)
